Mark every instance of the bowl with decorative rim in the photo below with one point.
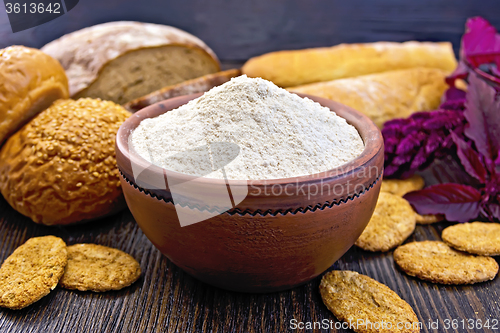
(252, 235)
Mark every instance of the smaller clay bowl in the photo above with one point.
(273, 234)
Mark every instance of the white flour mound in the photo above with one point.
(279, 134)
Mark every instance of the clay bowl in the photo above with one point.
(274, 234)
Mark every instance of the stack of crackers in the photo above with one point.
(35, 268)
(463, 257)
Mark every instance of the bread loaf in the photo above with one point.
(293, 68)
(121, 61)
(384, 96)
(198, 85)
(30, 81)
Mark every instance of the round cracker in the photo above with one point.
(476, 237)
(32, 271)
(356, 298)
(402, 186)
(391, 223)
(99, 268)
(436, 262)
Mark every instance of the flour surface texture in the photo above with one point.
(248, 128)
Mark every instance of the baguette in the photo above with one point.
(200, 84)
(293, 68)
(384, 96)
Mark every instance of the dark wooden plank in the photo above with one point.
(237, 30)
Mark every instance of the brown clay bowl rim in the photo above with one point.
(369, 132)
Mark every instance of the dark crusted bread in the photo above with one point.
(121, 61)
(200, 84)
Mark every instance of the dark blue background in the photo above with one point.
(237, 30)
(29, 14)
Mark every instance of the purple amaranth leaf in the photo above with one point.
(418, 160)
(461, 72)
(497, 161)
(413, 127)
(490, 206)
(454, 99)
(454, 95)
(447, 144)
(480, 45)
(495, 208)
(456, 120)
(459, 131)
(413, 143)
(390, 170)
(441, 119)
(391, 131)
(496, 71)
(453, 105)
(483, 115)
(457, 202)
(470, 159)
(390, 144)
(491, 211)
(400, 129)
(401, 159)
(398, 122)
(420, 115)
(494, 211)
